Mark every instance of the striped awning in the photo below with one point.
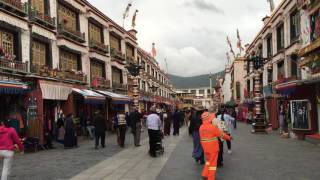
(117, 98)
(90, 97)
(13, 87)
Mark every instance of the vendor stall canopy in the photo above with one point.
(117, 98)
(13, 87)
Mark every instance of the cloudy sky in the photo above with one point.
(190, 34)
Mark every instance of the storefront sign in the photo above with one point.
(300, 115)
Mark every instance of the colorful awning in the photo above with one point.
(13, 87)
(90, 97)
(117, 98)
(286, 88)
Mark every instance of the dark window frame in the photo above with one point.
(295, 28)
(280, 37)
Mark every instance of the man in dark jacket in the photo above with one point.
(135, 122)
(100, 129)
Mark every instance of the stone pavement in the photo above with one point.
(132, 163)
(60, 163)
(255, 157)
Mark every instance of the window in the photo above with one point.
(67, 17)
(208, 91)
(117, 75)
(95, 33)
(294, 65)
(280, 66)
(143, 86)
(269, 46)
(270, 75)
(7, 42)
(115, 43)
(280, 37)
(315, 24)
(69, 61)
(193, 92)
(148, 69)
(130, 51)
(201, 92)
(238, 93)
(294, 25)
(97, 69)
(38, 53)
(143, 64)
(38, 5)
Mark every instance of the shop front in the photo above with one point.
(115, 103)
(12, 94)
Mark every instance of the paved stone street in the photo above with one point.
(63, 164)
(255, 157)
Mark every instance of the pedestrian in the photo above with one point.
(209, 140)
(187, 117)
(135, 122)
(121, 128)
(154, 131)
(70, 137)
(282, 119)
(195, 124)
(9, 139)
(176, 122)
(228, 121)
(234, 114)
(61, 129)
(90, 127)
(47, 128)
(100, 129)
(167, 123)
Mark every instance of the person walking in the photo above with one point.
(176, 122)
(154, 130)
(100, 129)
(167, 122)
(8, 140)
(227, 127)
(195, 124)
(70, 138)
(135, 122)
(122, 128)
(209, 134)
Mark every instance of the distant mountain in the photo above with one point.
(180, 82)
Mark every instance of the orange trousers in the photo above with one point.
(210, 168)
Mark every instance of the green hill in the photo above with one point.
(180, 82)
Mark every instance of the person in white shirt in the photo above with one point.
(228, 123)
(154, 129)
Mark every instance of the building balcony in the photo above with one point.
(77, 76)
(99, 47)
(14, 6)
(116, 55)
(42, 19)
(100, 82)
(282, 79)
(119, 86)
(69, 75)
(71, 34)
(130, 60)
(11, 65)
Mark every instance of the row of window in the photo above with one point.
(144, 86)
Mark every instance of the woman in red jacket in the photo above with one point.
(8, 141)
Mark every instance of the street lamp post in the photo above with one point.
(259, 124)
(134, 70)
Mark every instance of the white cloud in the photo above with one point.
(191, 34)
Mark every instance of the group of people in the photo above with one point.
(209, 129)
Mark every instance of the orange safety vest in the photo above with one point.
(209, 135)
